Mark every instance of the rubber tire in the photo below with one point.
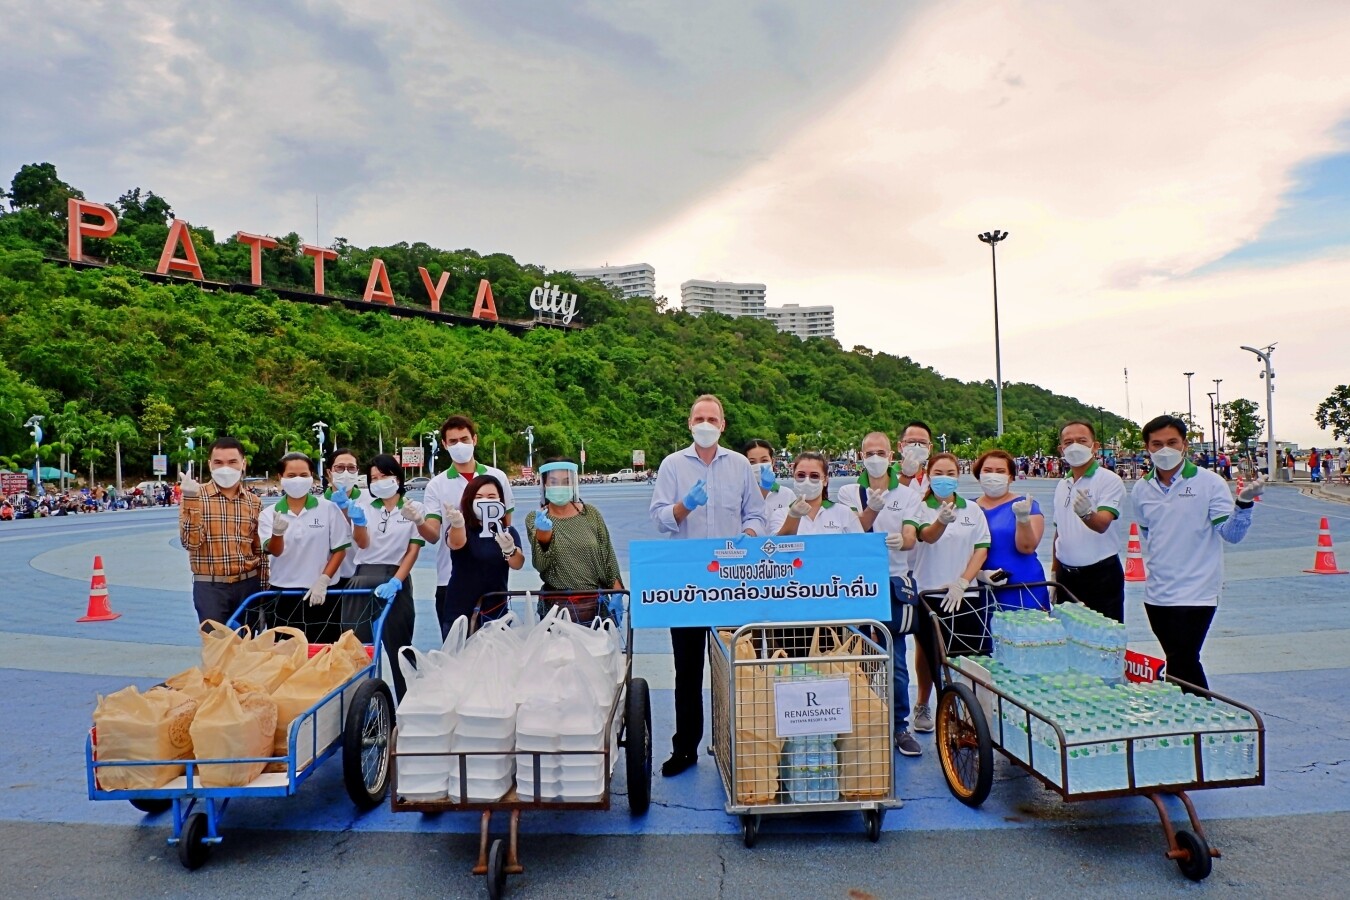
(152, 806)
(614, 481)
(1199, 863)
(872, 819)
(192, 853)
(637, 746)
(749, 831)
(496, 870)
(970, 795)
(371, 691)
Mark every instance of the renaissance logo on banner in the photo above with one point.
(752, 579)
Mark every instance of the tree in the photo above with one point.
(1333, 413)
(121, 430)
(36, 186)
(134, 210)
(1240, 421)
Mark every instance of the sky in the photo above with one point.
(1174, 178)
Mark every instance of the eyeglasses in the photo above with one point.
(916, 444)
(384, 520)
(351, 470)
(808, 476)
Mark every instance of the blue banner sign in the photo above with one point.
(756, 579)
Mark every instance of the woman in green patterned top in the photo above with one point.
(569, 542)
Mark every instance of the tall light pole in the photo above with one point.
(1218, 418)
(529, 447)
(1272, 461)
(1213, 431)
(34, 425)
(431, 457)
(319, 431)
(1190, 410)
(992, 238)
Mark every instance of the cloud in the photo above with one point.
(1123, 147)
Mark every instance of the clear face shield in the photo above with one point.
(559, 483)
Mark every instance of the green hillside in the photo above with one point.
(109, 355)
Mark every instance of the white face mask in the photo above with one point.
(705, 434)
(1165, 459)
(808, 489)
(876, 466)
(297, 486)
(461, 452)
(912, 459)
(1077, 454)
(758, 470)
(994, 484)
(345, 481)
(226, 477)
(384, 488)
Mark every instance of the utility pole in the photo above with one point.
(1272, 461)
(1190, 412)
(1218, 420)
(992, 238)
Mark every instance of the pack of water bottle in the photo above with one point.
(1104, 725)
(1029, 642)
(1096, 643)
(809, 769)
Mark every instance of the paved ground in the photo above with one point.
(1279, 642)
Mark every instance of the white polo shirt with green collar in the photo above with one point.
(778, 497)
(943, 562)
(446, 491)
(831, 518)
(1076, 544)
(388, 532)
(316, 533)
(901, 503)
(1182, 525)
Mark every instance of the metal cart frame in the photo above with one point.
(631, 711)
(965, 743)
(357, 717)
(876, 664)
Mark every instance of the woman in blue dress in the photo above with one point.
(1016, 526)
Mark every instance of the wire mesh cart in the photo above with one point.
(977, 714)
(627, 732)
(803, 720)
(356, 718)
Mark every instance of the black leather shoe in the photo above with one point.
(677, 763)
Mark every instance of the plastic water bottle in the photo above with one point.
(828, 782)
(798, 769)
(1244, 745)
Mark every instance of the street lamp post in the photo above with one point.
(431, 457)
(992, 238)
(1213, 433)
(1272, 461)
(1218, 417)
(529, 447)
(1190, 410)
(320, 429)
(34, 425)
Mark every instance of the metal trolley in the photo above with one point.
(628, 725)
(356, 718)
(974, 717)
(760, 776)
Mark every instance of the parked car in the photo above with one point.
(417, 484)
(625, 475)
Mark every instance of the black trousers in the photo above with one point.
(398, 623)
(690, 646)
(1181, 630)
(218, 602)
(1100, 586)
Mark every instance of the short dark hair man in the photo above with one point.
(218, 525)
(1088, 501)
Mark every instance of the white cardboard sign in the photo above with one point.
(812, 707)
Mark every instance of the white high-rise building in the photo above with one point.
(729, 298)
(803, 321)
(636, 280)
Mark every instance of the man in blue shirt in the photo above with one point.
(702, 491)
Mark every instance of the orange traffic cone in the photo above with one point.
(99, 608)
(1134, 556)
(1325, 563)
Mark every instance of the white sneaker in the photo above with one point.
(923, 719)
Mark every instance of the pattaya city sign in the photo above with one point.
(94, 220)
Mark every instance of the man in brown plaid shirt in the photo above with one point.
(218, 524)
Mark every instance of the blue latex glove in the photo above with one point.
(389, 589)
(340, 497)
(767, 478)
(697, 496)
(357, 514)
(542, 522)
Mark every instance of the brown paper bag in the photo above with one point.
(758, 746)
(324, 672)
(267, 661)
(233, 723)
(220, 644)
(133, 726)
(865, 755)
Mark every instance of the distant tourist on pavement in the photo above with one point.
(1088, 501)
(702, 491)
(1184, 513)
(218, 526)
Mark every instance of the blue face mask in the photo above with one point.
(943, 485)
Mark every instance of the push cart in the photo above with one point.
(355, 718)
(767, 674)
(975, 716)
(628, 725)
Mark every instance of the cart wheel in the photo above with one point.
(749, 831)
(151, 807)
(637, 746)
(365, 744)
(496, 870)
(1197, 863)
(872, 819)
(964, 747)
(191, 851)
